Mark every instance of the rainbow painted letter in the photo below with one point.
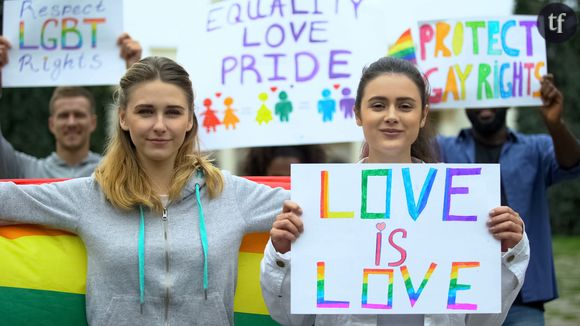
(414, 296)
(415, 208)
(454, 287)
(364, 214)
(365, 288)
(449, 190)
(320, 302)
(324, 211)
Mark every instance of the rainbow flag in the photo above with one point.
(43, 274)
(404, 48)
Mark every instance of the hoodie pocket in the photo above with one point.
(195, 310)
(126, 310)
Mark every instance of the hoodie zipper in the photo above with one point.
(166, 244)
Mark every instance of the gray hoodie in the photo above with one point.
(173, 286)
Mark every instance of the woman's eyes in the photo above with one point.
(377, 106)
(145, 111)
(173, 112)
(169, 112)
(404, 106)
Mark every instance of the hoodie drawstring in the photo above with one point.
(141, 259)
(202, 234)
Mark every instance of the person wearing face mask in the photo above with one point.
(530, 164)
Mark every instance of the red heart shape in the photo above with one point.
(381, 226)
(218, 94)
(336, 86)
(273, 88)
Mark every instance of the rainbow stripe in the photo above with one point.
(365, 288)
(454, 287)
(414, 296)
(324, 199)
(404, 48)
(320, 302)
(43, 275)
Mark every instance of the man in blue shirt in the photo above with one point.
(529, 165)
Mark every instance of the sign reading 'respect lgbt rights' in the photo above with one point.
(486, 62)
(59, 42)
(396, 239)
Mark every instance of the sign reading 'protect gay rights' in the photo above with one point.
(486, 62)
(396, 239)
(58, 42)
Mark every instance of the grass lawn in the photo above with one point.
(565, 310)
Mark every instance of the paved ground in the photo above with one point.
(565, 311)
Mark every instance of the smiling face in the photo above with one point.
(157, 118)
(391, 116)
(72, 122)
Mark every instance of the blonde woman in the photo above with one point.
(161, 225)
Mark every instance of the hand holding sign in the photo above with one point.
(552, 101)
(506, 225)
(4, 47)
(130, 49)
(287, 227)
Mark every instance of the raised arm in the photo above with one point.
(13, 164)
(566, 146)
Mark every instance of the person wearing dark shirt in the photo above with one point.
(529, 165)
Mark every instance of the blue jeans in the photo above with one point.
(520, 315)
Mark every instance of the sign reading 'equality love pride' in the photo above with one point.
(396, 239)
(63, 42)
(280, 72)
(485, 62)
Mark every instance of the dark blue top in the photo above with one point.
(528, 167)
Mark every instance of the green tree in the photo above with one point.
(564, 63)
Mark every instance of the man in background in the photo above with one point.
(72, 121)
(529, 165)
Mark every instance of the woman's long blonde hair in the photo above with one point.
(120, 174)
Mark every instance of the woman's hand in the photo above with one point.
(506, 225)
(287, 227)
